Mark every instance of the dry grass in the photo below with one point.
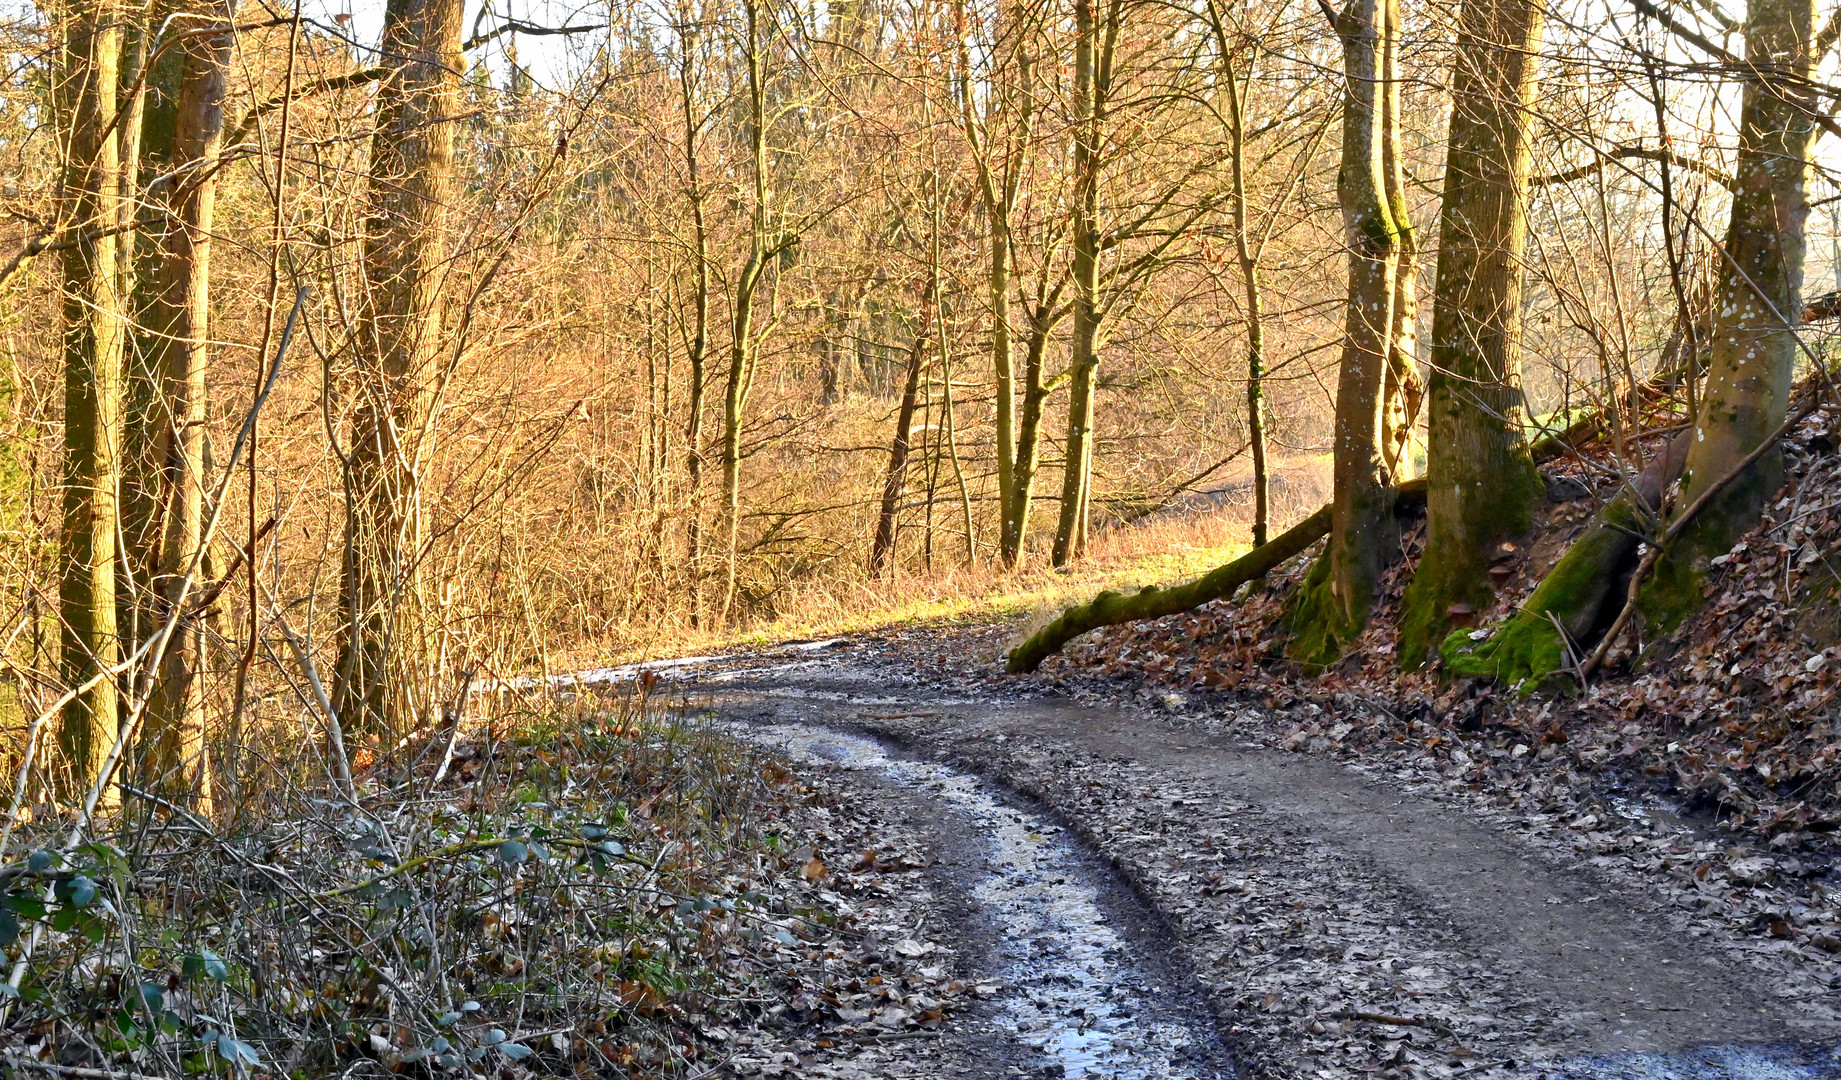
(1169, 547)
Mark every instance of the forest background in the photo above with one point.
(738, 315)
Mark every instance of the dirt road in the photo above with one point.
(1338, 925)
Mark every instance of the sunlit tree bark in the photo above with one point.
(1337, 596)
(1403, 392)
(95, 333)
(400, 351)
(761, 249)
(1753, 349)
(1093, 53)
(1482, 484)
(1756, 309)
(180, 320)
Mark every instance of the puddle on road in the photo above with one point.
(1070, 989)
(1707, 1063)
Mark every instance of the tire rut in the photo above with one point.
(1321, 908)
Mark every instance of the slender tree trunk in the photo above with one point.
(1092, 76)
(998, 191)
(1255, 321)
(1404, 391)
(698, 349)
(181, 314)
(882, 547)
(95, 332)
(1483, 487)
(937, 313)
(1756, 309)
(1028, 432)
(381, 684)
(741, 348)
(1339, 592)
(1003, 368)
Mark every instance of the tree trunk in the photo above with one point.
(741, 347)
(1483, 487)
(1092, 76)
(997, 188)
(1404, 391)
(381, 681)
(1753, 351)
(1756, 309)
(1152, 602)
(1339, 592)
(1255, 320)
(94, 332)
(1003, 369)
(882, 548)
(1570, 605)
(698, 347)
(1028, 434)
(180, 315)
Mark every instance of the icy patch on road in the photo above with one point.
(1707, 1063)
(1070, 990)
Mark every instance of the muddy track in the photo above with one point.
(1074, 976)
(1337, 925)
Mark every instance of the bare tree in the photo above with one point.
(1482, 484)
(95, 335)
(400, 354)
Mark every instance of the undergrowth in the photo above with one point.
(581, 885)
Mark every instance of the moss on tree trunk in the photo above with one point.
(1572, 597)
(1334, 604)
(1482, 484)
(1756, 308)
(1748, 383)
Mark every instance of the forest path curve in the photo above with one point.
(1316, 901)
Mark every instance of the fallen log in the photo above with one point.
(1151, 602)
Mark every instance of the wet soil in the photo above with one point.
(1337, 924)
(1074, 975)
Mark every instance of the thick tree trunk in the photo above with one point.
(1483, 488)
(95, 333)
(1746, 399)
(181, 317)
(1570, 604)
(1756, 309)
(1339, 592)
(381, 677)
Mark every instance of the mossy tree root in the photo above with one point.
(1572, 598)
(1317, 623)
(1112, 608)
